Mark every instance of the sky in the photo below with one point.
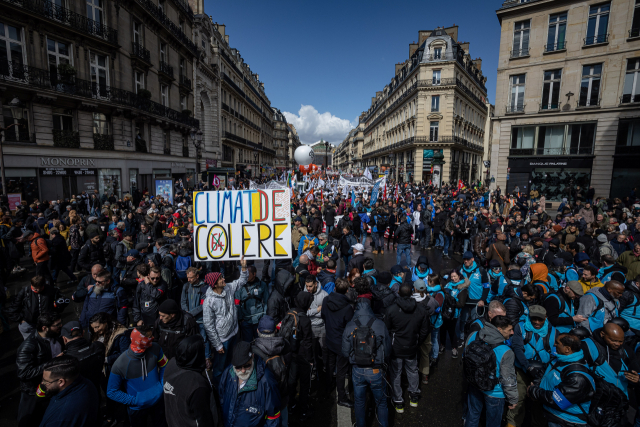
(322, 61)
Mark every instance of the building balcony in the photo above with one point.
(555, 47)
(103, 142)
(549, 107)
(437, 82)
(596, 40)
(241, 140)
(628, 149)
(519, 53)
(159, 15)
(166, 69)
(560, 151)
(37, 78)
(141, 53)
(74, 21)
(185, 82)
(66, 139)
(515, 109)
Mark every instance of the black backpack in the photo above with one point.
(363, 340)
(289, 328)
(480, 365)
(448, 307)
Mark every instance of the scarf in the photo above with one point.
(128, 245)
(397, 279)
(542, 332)
(368, 296)
(573, 357)
(606, 294)
(139, 342)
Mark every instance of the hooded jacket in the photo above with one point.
(278, 303)
(336, 313)
(364, 313)
(170, 335)
(256, 404)
(252, 299)
(39, 248)
(220, 318)
(408, 325)
(91, 255)
(192, 298)
(303, 343)
(189, 399)
(589, 308)
(28, 305)
(313, 313)
(277, 353)
(514, 304)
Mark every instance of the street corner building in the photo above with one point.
(568, 97)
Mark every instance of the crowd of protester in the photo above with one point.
(540, 305)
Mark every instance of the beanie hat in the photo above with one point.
(169, 307)
(211, 279)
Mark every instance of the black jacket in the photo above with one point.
(514, 306)
(555, 306)
(329, 217)
(188, 396)
(439, 221)
(170, 335)
(336, 313)
(304, 334)
(91, 357)
(91, 255)
(147, 299)
(59, 252)
(28, 305)
(408, 325)
(356, 262)
(276, 353)
(278, 303)
(404, 232)
(383, 297)
(31, 356)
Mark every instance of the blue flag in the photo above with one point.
(433, 208)
(375, 192)
(353, 197)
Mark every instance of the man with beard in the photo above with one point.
(74, 401)
(172, 326)
(34, 352)
(105, 297)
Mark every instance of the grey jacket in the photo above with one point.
(219, 314)
(191, 297)
(317, 324)
(364, 313)
(588, 306)
(491, 335)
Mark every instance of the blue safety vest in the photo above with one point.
(436, 318)
(536, 348)
(596, 319)
(571, 412)
(631, 313)
(475, 277)
(542, 285)
(605, 370)
(497, 390)
(416, 274)
(557, 280)
(497, 285)
(454, 292)
(572, 274)
(605, 273)
(567, 311)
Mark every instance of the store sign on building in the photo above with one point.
(61, 161)
(67, 172)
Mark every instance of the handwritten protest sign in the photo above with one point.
(231, 224)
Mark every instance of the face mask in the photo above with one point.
(35, 291)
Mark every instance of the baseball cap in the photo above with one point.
(494, 263)
(358, 247)
(70, 327)
(396, 269)
(92, 218)
(576, 287)
(467, 255)
(419, 285)
(266, 325)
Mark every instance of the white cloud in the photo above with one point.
(313, 126)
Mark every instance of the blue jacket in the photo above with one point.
(113, 301)
(75, 406)
(136, 379)
(256, 404)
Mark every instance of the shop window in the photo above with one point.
(555, 183)
(109, 181)
(133, 179)
(628, 140)
(24, 182)
(582, 137)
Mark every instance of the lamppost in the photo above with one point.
(18, 113)
(196, 139)
(326, 155)
(390, 167)
(255, 165)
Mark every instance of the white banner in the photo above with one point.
(253, 223)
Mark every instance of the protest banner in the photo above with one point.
(254, 224)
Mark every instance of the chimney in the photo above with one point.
(221, 28)
(373, 100)
(378, 93)
(452, 32)
(412, 48)
(465, 47)
(226, 38)
(478, 63)
(422, 36)
(398, 68)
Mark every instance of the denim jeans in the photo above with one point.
(440, 241)
(207, 346)
(445, 246)
(67, 271)
(346, 259)
(364, 237)
(435, 335)
(374, 380)
(377, 240)
(475, 401)
(403, 248)
(462, 320)
(425, 239)
(221, 361)
(465, 245)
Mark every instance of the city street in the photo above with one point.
(439, 405)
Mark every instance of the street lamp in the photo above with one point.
(255, 162)
(196, 139)
(326, 155)
(17, 111)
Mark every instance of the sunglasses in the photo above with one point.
(154, 278)
(245, 367)
(100, 282)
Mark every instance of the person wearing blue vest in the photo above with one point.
(557, 276)
(517, 301)
(506, 391)
(421, 269)
(479, 286)
(600, 305)
(398, 277)
(495, 308)
(609, 266)
(567, 386)
(458, 288)
(532, 341)
(496, 280)
(630, 306)
(560, 307)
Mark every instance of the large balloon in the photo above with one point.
(304, 155)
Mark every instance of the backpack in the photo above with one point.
(109, 251)
(480, 365)
(594, 254)
(363, 340)
(449, 307)
(182, 264)
(308, 243)
(289, 328)
(545, 341)
(329, 287)
(47, 241)
(381, 223)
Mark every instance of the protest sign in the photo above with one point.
(254, 224)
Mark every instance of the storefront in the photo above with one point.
(551, 176)
(427, 159)
(626, 174)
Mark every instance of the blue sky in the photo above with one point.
(322, 61)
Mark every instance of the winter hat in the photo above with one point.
(92, 234)
(494, 263)
(581, 256)
(169, 307)
(557, 228)
(266, 325)
(241, 354)
(602, 238)
(133, 252)
(211, 279)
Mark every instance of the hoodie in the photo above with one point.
(336, 313)
(598, 307)
(363, 314)
(220, 318)
(277, 354)
(317, 324)
(408, 325)
(278, 303)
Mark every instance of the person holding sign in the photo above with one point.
(220, 317)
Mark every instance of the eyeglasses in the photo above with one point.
(101, 282)
(247, 366)
(49, 382)
(154, 278)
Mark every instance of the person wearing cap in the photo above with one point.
(496, 280)
(150, 292)
(600, 305)
(560, 307)
(129, 274)
(532, 341)
(172, 326)
(249, 393)
(397, 273)
(189, 398)
(91, 355)
(91, 253)
(136, 379)
(220, 318)
(357, 260)
(276, 352)
(104, 296)
(421, 270)
(93, 227)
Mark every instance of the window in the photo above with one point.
(182, 67)
(164, 95)
(62, 119)
(598, 24)
(631, 90)
(19, 132)
(59, 53)
(521, 39)
(635, 24)
(161, 6)
(629, 133)
(551, 140)
(551, 90)
(517, 94)
(436, 77)
(163, 53)
(137, 33)
(523, 138)
(183, 102)
(100, 124)
(166, 142)
(437, 53)
(435, 103)
(139, 75)
(433, 131)
(590, 87)
(99, 75)
(11, 51)
(557, 32)
(94, 11)
(582, 137)
(182, 25)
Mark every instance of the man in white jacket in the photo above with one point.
(220, 318)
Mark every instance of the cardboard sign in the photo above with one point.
(164, 188)
(231, 224)
(15, 199)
